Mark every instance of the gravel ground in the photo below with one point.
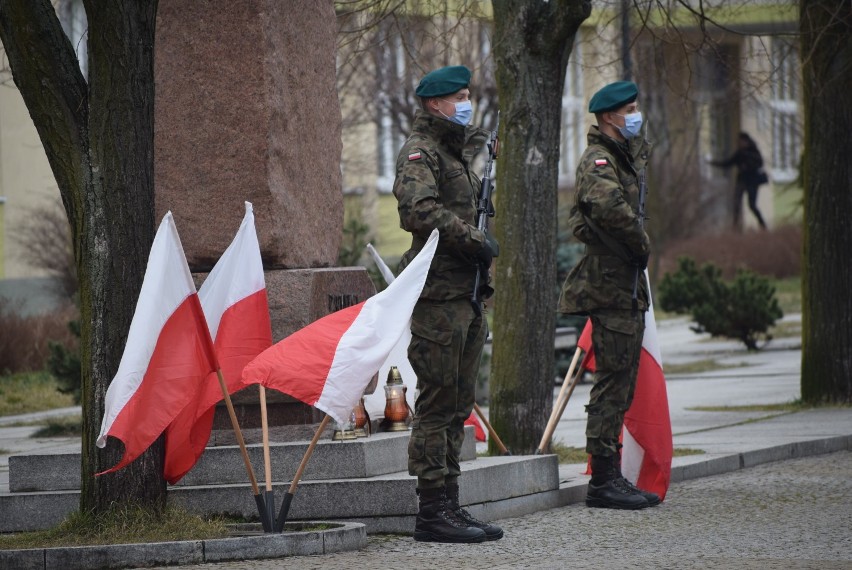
(788, 515)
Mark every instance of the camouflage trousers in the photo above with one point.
(617, 342)
(446, 346)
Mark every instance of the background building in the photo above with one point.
(699, 89)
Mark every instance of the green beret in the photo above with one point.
(443, 81)
(613, 96)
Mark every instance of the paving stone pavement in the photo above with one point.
(792, 514)
(786, 514)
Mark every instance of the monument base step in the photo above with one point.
(494, 487)
(381, 453)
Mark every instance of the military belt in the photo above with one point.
(598, 249)
(417, 243)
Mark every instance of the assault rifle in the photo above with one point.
(485, 210)
(643, 191)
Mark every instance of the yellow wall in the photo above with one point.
(2, 238)
(26, 181)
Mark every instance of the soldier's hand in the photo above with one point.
(490, 250)
(641, 261)
(491, 241)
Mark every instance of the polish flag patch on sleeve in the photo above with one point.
(598, 162)
(414, 156)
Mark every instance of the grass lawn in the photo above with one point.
(789, 294)
(27, 392)
(391, 240)
(125, 525)
(568, 454)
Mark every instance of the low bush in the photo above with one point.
(64, 363)
(775, 253)
(24, 344)
(742, 309)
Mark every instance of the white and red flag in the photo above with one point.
(646, 458)
(329, 363)
(399, 357)
(168, 352)
(233, 297)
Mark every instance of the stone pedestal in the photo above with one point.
(246, 109)
(297, 298)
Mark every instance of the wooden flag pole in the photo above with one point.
(561, 402)
(288, 497)
(267, 462)
(565, 382)
(258, 498)
(500, 447)
(574, 381)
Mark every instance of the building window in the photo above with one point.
(573, 136)
(784, 111)
(390, 75)
(72, 16)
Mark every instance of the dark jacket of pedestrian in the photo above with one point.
(748, 161)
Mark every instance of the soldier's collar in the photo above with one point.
(449, 133)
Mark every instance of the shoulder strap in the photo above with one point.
(610, 242)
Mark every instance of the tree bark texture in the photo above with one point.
(99, 141)
(826, 29)
(532, 42)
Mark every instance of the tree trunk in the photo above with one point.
(99, 140)
(532, 43)
(826, 26)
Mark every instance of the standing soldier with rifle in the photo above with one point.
(608, 284)
(437, 189)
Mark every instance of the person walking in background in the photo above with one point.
(605, 217)
(437, 189)
(750, 175)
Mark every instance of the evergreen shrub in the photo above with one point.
(743, 309)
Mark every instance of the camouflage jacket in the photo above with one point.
(608, 194)
(436, 188)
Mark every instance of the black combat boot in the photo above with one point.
(437, 523)
(492, 531)
(652, 498)
(607, 489)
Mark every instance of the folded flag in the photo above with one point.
(646, 457)
(233, 297)
(167, 356)
(329, 363)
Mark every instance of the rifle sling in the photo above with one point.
(610, 245)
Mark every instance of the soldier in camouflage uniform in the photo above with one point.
(436, 188)
(605, 217)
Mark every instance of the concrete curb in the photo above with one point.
(573, 492)
(746, 459)
(343, 537)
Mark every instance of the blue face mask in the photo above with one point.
(632, 125)
(463, 114)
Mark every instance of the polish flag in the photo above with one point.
(235, 305)
(646, 458)
(399, 357)
(167, 356)
(330, 362)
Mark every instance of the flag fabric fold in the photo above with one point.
(646, 455)
(399, 357)
(233, 297)
(585, 343)
(329, 363)
(168, 352)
